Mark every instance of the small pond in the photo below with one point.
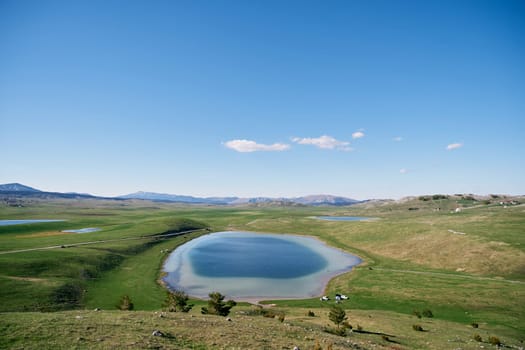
(20, 222)
(83, 230)
(344, 218)
(255, 266)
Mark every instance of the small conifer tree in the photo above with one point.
(177, 300)
(337, 315)
(217, 306)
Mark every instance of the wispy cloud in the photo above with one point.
(453, 146)
(324, 142)
(358, 135)
(398, 139)
(403, 171)
(246, 146)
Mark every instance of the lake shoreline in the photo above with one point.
(178, 273)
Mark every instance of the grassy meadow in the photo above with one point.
(467, 267)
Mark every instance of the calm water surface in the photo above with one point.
(83, 230)
(344, 218)
(246, 265)
(20, 222)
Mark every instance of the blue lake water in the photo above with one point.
(248, 266)
(20, 222)
(344, 218)
(83, 230)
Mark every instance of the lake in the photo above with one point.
(83, 230)
(344, 218)
(255, 266)
(20, 222)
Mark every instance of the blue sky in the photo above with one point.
(365, 99)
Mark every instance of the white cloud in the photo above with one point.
(454, 146)
(324, 142)
(245, 146)
(398, 139)
(403, 171)
(358, 135)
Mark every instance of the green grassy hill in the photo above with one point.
(466, 266)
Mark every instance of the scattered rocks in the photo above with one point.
(228, 319)
(296, 348)
(96, 309)
(157, 333)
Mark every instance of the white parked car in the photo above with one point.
(341, 297)
(324, 298)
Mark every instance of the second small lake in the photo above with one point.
(83, 230)
(344, 218)
(21, 222)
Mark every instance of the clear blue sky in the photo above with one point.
(365, 99)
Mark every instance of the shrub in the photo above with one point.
(439, 196)
(474, 325)
(125, 303)
(347, 325)
(317, 346)
(281, 317)
(417, 327)
(177, 301)
(427, 313)
(310, 314)
(337, 331)
(217, 306)
(416, 313)
(359, 328)
(477, 337)
(494, 340)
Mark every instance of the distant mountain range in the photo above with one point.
(16, 187)
(315, 200)
(306, 200)
(19, 190)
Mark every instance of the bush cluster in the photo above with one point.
(177, 300)
(425, 313)
(494, 340)
(417, 327)
(125, 303)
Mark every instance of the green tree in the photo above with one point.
(337, 315)
(217, 306)
(177, 301)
